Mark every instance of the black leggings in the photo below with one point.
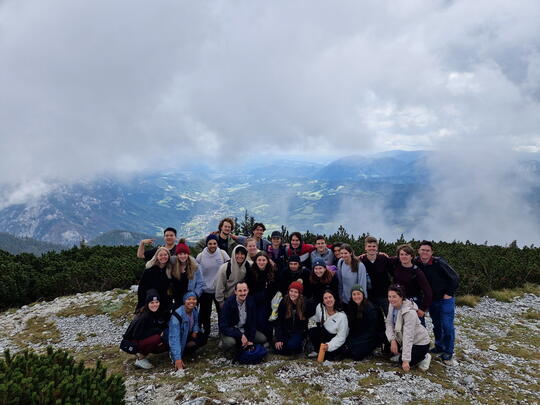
(418, 353)
(319, 335)
(205, 311)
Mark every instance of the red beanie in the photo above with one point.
(182, 248)
(297, 286)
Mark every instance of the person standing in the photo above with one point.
(350, 271)
(225, 237)
(231, 273)
(379, 270)
(169, 237)
(413, 280)
(209, 260)
(444, 282)
(322, 251)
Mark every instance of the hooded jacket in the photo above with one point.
(228, 275)
(408, 330)
(209, 264)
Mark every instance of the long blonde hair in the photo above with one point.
(154, 260)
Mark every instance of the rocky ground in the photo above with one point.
(497, 353)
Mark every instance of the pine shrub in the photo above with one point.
(55, 378)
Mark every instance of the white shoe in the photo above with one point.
(143, 363)
(312, 355)
(395, 358)
(424, 364)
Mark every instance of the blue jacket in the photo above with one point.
(179, 333)
(230, 316)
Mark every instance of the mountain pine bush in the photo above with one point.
(55, 378)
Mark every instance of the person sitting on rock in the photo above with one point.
(184, 332)
(238, 320)
(409, 340)
(147, 332)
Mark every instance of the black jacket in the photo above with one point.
(230, 316)
(284, 327)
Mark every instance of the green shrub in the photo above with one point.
(55, 378)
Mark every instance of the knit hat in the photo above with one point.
(276, 234)
(189, 294)
(358, 287)
(210, 237)
(294, 258)
(152, 295)
(297, 285)
(318, 262)
(182, 248)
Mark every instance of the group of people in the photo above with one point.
(293, 298)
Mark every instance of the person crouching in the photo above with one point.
(184, 332)
(409, 340)
(238, 320)
(146, 333)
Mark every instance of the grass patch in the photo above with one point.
(467, 300)
(118, 310)
(38, 330)
(507, 295)
(532, 315)
(110, 357)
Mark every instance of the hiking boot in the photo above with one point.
(424, 364)
(436, 350)
(447, 359)
(143, 363)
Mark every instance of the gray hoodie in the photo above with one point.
(225, 285)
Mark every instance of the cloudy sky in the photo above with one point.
(91, 87)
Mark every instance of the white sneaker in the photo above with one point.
(143, 363)
(395, 358)
(312, 355)
(424, 364)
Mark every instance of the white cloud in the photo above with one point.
(93, 87)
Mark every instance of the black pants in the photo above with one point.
(205, 311)
(319, 335)
(418, 353)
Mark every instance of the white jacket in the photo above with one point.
(336, 324)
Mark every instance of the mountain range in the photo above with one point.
(302, 195)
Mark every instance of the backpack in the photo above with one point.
(252, 354)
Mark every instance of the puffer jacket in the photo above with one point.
(408, 330)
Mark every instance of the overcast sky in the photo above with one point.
(88, 87)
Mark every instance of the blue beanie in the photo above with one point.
(210, 237)
(189, 294)
(318, 262)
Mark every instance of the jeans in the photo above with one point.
(442, 314)
(292, 344)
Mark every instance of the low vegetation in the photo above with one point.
(55, 377)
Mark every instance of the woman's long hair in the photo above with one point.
(268, 270)
(356, 311)
(154, 260)
(354, 260)
(325, 279)
(300, 307)
(189, 270)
